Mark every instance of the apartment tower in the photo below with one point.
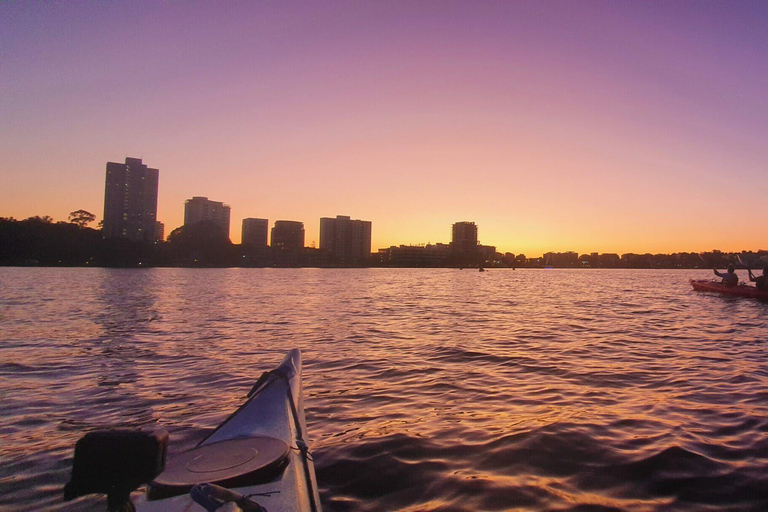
(255, 232)
(464, 247)
(347, 241)
(288, 235)
(130, 201)
(199, 209)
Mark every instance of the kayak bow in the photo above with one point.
(742, 290)
(256, 459)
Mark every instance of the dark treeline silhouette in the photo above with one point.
(439, 255)
(201, 244)
(690, 260)
(41, 241)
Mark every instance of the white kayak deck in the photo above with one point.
(269, 413)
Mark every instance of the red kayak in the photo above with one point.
(742, 290)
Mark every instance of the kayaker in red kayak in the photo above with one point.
(761, 282)
(730, 278)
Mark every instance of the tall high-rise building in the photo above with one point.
(255, 232)
(199, 209)
(464, 247)
(288, 234)
(159, 231)
(130, 201)
(347, 241)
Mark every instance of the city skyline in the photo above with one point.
(220, 214)
(588, 127)
(130, 206)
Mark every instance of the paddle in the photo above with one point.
(707, 263)
(749, 270)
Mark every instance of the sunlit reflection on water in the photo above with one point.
(425, 389)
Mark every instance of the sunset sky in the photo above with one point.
(586, 126)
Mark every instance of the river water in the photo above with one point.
(425, 389)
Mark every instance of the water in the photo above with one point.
(424, 389)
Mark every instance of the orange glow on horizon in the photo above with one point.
(554, 129)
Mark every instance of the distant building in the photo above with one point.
(199, 209)
(287, 242)
(464, 247)
(567, 259)
(347, 241)
(631, 260)
(159, 231)
(130, 201)
(313, 257)
(488, 253)
(430, 255)
(288, 234)
(610, 260)
(255, 233)
(591, 260)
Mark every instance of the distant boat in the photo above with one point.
(742, 290)
(482, 269)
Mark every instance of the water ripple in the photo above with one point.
(424, 389)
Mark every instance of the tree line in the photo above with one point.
(41, 241)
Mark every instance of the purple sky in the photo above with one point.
(607, 126)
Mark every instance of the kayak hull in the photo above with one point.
(741, 290)
(275, 410)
